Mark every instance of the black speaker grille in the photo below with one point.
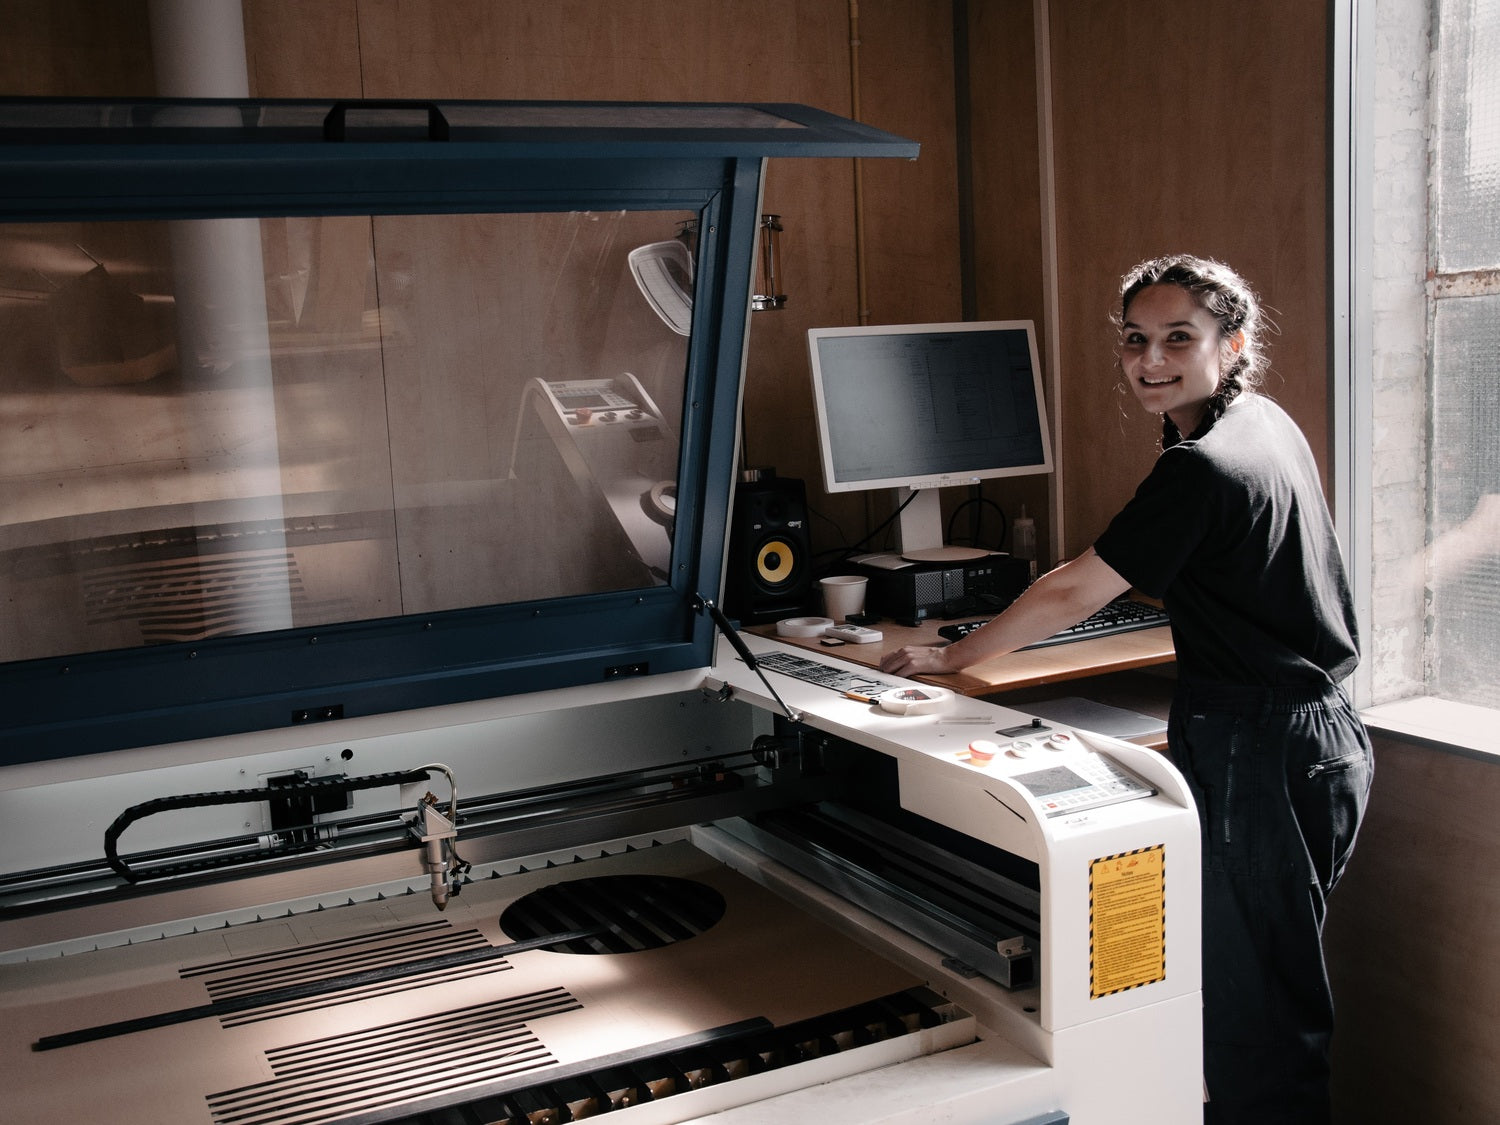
(769, 573)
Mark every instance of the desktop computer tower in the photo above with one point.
(923, 591)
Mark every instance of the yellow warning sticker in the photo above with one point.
(1127, 920)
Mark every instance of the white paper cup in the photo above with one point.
(843, 594)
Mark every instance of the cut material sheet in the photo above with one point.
(1085, 714)
(764, 959)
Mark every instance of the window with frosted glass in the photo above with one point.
(232, 426)
(1463, 571)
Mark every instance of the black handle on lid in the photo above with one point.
(335, 124)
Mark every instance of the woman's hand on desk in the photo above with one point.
(919, 660)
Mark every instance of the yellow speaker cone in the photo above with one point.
(775, 561)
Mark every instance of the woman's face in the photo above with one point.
(1171, 353)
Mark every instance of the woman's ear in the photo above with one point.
(1237, 341)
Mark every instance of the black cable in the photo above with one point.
(312, 786)
(974, 540)
(846, 552)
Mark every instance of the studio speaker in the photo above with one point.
(770, 555)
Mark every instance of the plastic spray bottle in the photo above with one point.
(1023, 542)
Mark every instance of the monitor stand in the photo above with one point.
(920, 529)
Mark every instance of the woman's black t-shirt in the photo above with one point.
(1231, 531)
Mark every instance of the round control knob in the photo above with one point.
(1020, 749)
(1062, 740)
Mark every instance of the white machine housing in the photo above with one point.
(1060, 1045)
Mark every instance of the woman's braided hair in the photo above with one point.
(1228, 298)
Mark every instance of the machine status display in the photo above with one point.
(1088, 783)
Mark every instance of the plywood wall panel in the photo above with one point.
(1408, 941)
(84, 48)
(300, 50)
(1202, 128)
(670, 50)
(903, 215)
(1006, 182)
(910, 207)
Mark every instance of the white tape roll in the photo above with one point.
(802, 626)
(914, 700)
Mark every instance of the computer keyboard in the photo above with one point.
(824, 675)
(1120, 616)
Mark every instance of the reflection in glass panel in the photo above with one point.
(219, 427)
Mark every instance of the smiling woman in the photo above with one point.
(1172, 354)
(1231, 531)
(1189, 337)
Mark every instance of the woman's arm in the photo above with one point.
(1059, 598)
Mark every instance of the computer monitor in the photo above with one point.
(918, 407)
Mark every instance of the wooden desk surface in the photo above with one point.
(1027, 668)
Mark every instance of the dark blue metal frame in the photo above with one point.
(51, 170)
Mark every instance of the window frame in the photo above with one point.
(1357, 347)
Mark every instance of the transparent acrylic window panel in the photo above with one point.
(1464, 569)
(221, 427)
(1468, 136)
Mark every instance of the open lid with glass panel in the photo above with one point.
(327, 409)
